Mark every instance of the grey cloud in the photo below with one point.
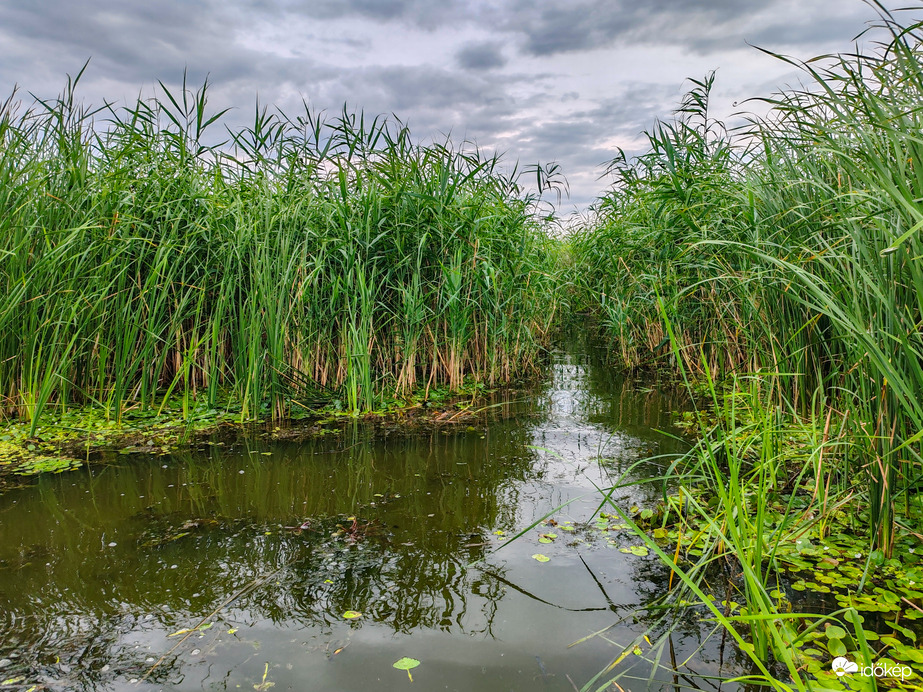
(548, 28)
(421, 13)
(414, 89)
(128, 42)
(532, 116)
(577, 140)
(136, 45)
(481, 55)
(582, 131)
(834, 28)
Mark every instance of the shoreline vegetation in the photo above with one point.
(295, 262)
(775, 268)
(81, 436)
(156, 273)
(778, 269)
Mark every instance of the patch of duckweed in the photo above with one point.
(30, 459)
(36, 465)
(67, 439)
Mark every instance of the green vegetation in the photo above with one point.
(777, 267)
(302, 260)
(146, 266)
(792, 252)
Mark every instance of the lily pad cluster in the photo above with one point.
(827, 568)
(604, 526)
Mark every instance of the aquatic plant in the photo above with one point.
(777, 269)
(790, 248)
(302, 258)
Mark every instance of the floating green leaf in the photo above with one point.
(540, 557)
(407, 664)
(836, 647)
(352, 614)
(186, 631)
(834, 632)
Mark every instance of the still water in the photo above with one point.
(278, 540)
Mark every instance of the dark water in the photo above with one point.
(99, 566)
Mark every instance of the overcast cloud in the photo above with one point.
(540, 80)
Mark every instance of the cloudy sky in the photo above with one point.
(541, 80)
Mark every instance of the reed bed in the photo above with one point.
(789, 248)
(777, 269)
(146, 255)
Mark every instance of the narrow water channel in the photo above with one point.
(101, 568)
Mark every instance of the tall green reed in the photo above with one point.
(790, 248)
(305, 257)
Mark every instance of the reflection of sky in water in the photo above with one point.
(97, 567)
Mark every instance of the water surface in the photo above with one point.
(100, 566)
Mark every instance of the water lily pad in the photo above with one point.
(836, 647)
(834, 632)
(407, 664)
(540, 557)
(890, 640)
(352, 614)
(910, 634)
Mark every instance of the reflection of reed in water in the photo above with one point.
(187, 536)
(631, 404)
